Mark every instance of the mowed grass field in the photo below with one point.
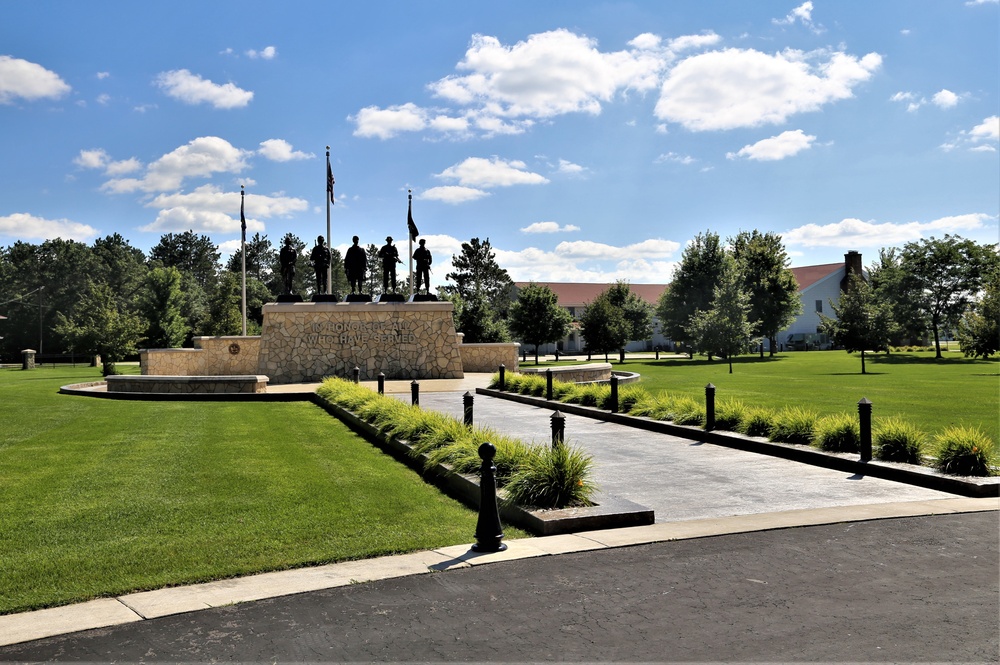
(101, 497)
(932, 394)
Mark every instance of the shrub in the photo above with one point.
(793, 425)
(550, 478)
(592, 394)
(839, 433)
(895, 440)
(964, 451)
(629, 396)
(687, 411)
(757, 421)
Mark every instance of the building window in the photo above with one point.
(819, 306)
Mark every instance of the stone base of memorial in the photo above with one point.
(305, 342)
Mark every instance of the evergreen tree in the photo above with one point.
(224, 315)
(261, 259)
(693, 285)
(536, 317)
(774, 294)
(862, 323)
(119, 265)
(100, 323)
(478, 276)
(190, 253)
(160, 303)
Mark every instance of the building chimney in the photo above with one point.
(852, 266)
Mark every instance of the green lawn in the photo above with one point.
(102, 497)
(932, 394)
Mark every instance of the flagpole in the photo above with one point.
(243, 252)
(409, 234)
(329, 198)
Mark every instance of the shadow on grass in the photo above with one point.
(910, 359)
(697, 362)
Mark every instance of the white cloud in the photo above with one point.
(587, 249)
(453, 194)
(674, 157)
(549, 227)
(987, 130)
(569, 168)
(103, 75)
(211, 210)
(201, 157)
(23, 226)
(972, 3)
(494, 172)
(193, 89)
(379, 123)
(945, 99)
(279, 150)
(584, 261)
(29, 81)
(103, 99)
(122, 167)
(852, 233)
(692, 42)
(548, 74)
(801, 14)
(100, 159)
(747, 88)
(267, 53)
(785, 144)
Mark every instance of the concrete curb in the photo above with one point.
(903, 473)
(128, 608)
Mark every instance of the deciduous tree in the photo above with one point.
(863, 322)
(979, 330)
(536, 317)
(693, 285)
(774, 294)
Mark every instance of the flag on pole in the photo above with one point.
(243, 218)
(329, 181)
(409, 220)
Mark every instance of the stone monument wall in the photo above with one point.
(211, 356)
(304, 342)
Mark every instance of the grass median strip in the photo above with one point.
(102, 497)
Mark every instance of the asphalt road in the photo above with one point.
(918, 589)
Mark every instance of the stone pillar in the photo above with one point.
(28, 359)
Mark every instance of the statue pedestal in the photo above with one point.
(307, 341)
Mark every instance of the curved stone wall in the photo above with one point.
(487, 358)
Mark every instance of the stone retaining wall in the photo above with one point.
(489, 357)
(574, 373)
(211, 356)
(187, 384)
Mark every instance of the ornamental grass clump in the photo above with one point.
(895, 440)
(687, 411)
(793, 425)
(628, 397)
(964, 451)
(757, 421)
(729, 413)
(839, 433)
(551, 478)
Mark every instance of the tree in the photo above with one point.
(119, 265)
(194, 254)
(636, 311)
(101, 324)
(224, 315)
(476, 273)
(693, 285)
(891, 288)
(862, 323)
(261, 259)
(770, 284)
(979, 330)
(942, 276)
(477, 321)
(161, 303)
(604, 326)
(536, 317)
(725, 329)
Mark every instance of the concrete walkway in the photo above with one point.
(697, 490)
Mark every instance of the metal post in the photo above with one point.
(657, 354)
(865, 417)
(357, 374)
(558, 421)
(415, 393)
(381, 383)
(709, 407)
(548, 384)
(467, 408)
(489, 531)
(503, 382)
(614, 394)
(621, 355)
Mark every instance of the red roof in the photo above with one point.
(806, 276)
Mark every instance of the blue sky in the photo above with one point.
(588, 140)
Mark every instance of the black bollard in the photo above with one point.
(709, 407)
(657, 354)
(548, 384)
(381, 383)
(415, 393)
(614, 394)
(503, 381)
(357, 374)
(865, 416)
(489, 531)
(467, 408)
(558, 421)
